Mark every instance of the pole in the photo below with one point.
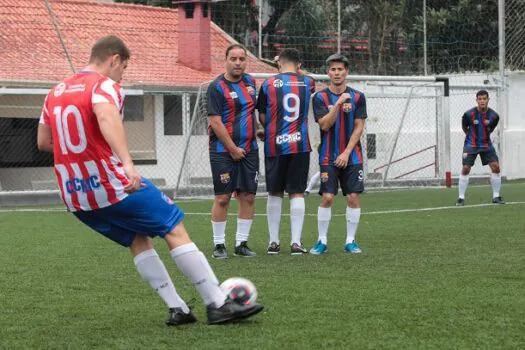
(260, 29)
(338, 26)
(425, 63)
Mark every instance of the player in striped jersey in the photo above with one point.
(341, 113)
(234, 155)
(81, 125)
(478, 123)
(283, 105)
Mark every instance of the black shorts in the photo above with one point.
(487, 155)
(229, 175)
(350, 178)
(287, 172)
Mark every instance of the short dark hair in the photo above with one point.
(108, 46)
(482, 93)
(337, 57)
(290, 55)
(235, 46)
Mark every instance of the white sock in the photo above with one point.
(219, 232)
(313, 181)
(495, 179)
(243, 231)
(297, 218)
(151, 268)
(352, 221)
(463, 184)
(273, 211)
(192, 263)
(323, 221)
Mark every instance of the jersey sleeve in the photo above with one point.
(464, 121)
(262, 99)
(108, 91)
(44, 116)
(495, 121)
(215, 99)
(312, 85)
(360, 107)
(319, 106)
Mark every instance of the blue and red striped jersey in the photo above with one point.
(479, 125)
(334, 141)
(285, 99)
(234, 102)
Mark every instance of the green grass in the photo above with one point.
(438, 279)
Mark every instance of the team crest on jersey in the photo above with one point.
(347, 107)
(486, 122)
(59, 90)
(166, 198)
(225, 178)
(476, 122)
(233, 94)
(250, 90)
(324, 177)
(278, 83)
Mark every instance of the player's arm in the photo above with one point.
(328, 120)
(261, 109)
(357, 132)
(45, 138)
(495, 122)
(112, 129)
(464, 123)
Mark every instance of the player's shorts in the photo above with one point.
(487, 155)
(146, 212)
(350, 179)
(229, 175)
(287, 172)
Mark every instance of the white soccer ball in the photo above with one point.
(240, 290)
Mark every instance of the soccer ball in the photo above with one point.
(239, 290)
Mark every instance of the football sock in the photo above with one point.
(463, 184)
(219, 232)
(323, 221)
(297, 218)
(192, 263)
(495, 179)
(352, 221)
(314, 180)
(243, 231)
(273, 211)
(152, 270)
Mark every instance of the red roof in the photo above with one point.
(30, 48)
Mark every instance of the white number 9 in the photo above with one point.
(293, 110)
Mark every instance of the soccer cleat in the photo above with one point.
(232, 311)
(460, 202)
(319, 248)
(176, 317)
(498, 200)
(243, 250)
(297, 249)
(352, 248)
(273, 248)
(219, 252)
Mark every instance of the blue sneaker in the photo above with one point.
(319, 248)
(352, 248)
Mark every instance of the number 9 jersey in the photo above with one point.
(285, 99)
(89, 174)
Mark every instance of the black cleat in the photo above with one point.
(460, 202)
(498, 200)
(219, 252)
(232, 311)
(176, 317)
(273, 248)
(243, 250)
(297, 249)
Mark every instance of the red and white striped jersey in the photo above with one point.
(89, 173)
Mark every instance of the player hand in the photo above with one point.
(237, 153)
(342, 160)
(343, 98)
(260, 134)
(134, 178)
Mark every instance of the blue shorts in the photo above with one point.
(146, 212)
(487, 155)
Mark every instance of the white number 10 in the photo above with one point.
(64, 136)
(293, 110)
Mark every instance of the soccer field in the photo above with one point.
(431, 276)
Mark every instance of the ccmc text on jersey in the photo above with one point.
(86, 184)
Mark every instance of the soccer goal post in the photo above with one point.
(406, 140)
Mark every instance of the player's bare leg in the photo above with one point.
(297, 209)
(219, 216)
(495, 180)
(152, 269)
(244, 223)
(463, 184)
(324, 215)
(193, 264)
(273, 216)
(353, 214)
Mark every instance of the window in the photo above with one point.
(173, 115)
(178, 112)
(134, 108)
(371, 146)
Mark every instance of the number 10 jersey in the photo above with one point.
(89, 174)
(285, 99)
